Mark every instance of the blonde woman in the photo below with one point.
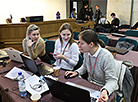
(34, 45)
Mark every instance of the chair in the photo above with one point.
(105, 39)
(44, 39)
(49, 47)
(76, 35)
(79, 62)
(132, 33)
(132, 41)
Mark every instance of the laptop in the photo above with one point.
(38, 69)
(68, 92)
(105, 34)
(14, 55)
(118, 35)
(117, 50)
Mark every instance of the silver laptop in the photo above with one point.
(14, 55)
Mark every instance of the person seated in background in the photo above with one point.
(22, 20)
(98, 63)
(34, 45)
(66, 48)
(8, 20)
(114, 23)
(73, 13)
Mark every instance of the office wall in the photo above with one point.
(101, 3)
(23, 8)
(135, 12)
(122, 8)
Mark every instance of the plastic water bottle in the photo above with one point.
(21, 84)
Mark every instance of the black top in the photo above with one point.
(115, 22)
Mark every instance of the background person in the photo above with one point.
(90, 13)
(114, 23)
(98, 62)
(73, 13)
(97, 15)
(66, 48)
(82, 13)
(34, 45)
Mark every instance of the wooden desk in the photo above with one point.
(14, 96)
(123, 31)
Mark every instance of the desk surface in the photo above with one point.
(130, 56)
(14, 96)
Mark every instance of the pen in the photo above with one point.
(53, 54)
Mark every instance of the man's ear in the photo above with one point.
(91, 44)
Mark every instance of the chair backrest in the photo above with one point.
(132, 33)
(45, 39)
(49, 46)
(132, 41)
(105, 39)
(76, 35)
(80, 62)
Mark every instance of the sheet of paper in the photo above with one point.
(12, 74)
(33, 85)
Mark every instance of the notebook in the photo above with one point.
(38, 69)
(68, 92)
(14, 55)
(118, 35)
(117, 50)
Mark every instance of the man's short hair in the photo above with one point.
(112, 14)
(97, 5)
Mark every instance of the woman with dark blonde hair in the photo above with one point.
(66, 48)
(34, 45)
(98, 62)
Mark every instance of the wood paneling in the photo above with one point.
(11, 35)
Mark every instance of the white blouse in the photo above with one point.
(71, 52)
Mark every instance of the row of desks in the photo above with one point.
(14, 95)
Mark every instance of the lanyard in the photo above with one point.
(94, 65)
(63, 51)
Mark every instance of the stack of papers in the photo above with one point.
(33, 83)
(12, 74)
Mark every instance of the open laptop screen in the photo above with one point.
(30, 64)
(67, 92)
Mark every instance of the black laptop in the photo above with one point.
(68, 92)
(40, 69)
